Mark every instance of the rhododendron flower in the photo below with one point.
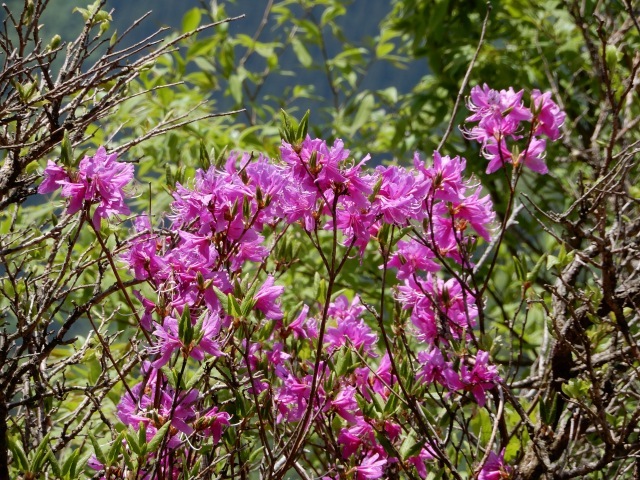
(345, 404)
(213, 423)
(169, 340)
(436, 369)
(266, 299)
(548, 117)
(54, 176)
(412, 257)
(480, 378)
(474, 210)
(533, 156)
(419, 461)
(132, 411)
(303, 327)
(499, 113)
(495, 468)
(401, 195)
(292, 398)
(361, 433)
(372, 466)
(100, 179)
(142, 254)
(446, 176)
(349, 329)
(383, 377)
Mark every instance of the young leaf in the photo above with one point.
(157, 439)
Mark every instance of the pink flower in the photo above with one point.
(419, 461)
(212, 423)
(497, 153)
(142, 254)
(372, 466)
(383, 377)
(54, 176)
(266, 299)
(436, 369)
(132, 411)
(204, 341)
(533, 156)
(480, 378)
(446, 176)
(548, 117)
(350, 329)
(411, 257)
(473, 210)
(100, 179)
(498, 113)
(345, 404)
(401, 195)
(303, 327)
(495, 468)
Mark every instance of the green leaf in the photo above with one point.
(196, 377)
(533, 274)
(411, 446)
(363, 114)
(97, 449)
(222, 297)
(303, 127)
(185, 327)
(205, 159)
(18, 454)
(235, 87)
(55, 466)
(301, 52)
(115, 450)
(66, 151)
(40, 455)
(157, 439)
(191, 20)
(69, 467)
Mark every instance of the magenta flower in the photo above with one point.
(446, 176)
(548, 117)
(495, 468)
(498, 113)
(105, 179)
(383, 377)
(142, 254)
(412, 257)
(436, 369)
(401, 195)
(54, 176)
(204, 341)
(132, 412)
(303, 327)
(345, 404)
(473, 210)
(213, 423)
(266, 299)
(480, 378)
(372, 466)
(533, 156)
(419, 461)
(100, 179)
(350, 329)
(497, 153)
(360, 434)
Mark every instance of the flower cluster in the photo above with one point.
(214, 309)
(99, 180)
(501, 115)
